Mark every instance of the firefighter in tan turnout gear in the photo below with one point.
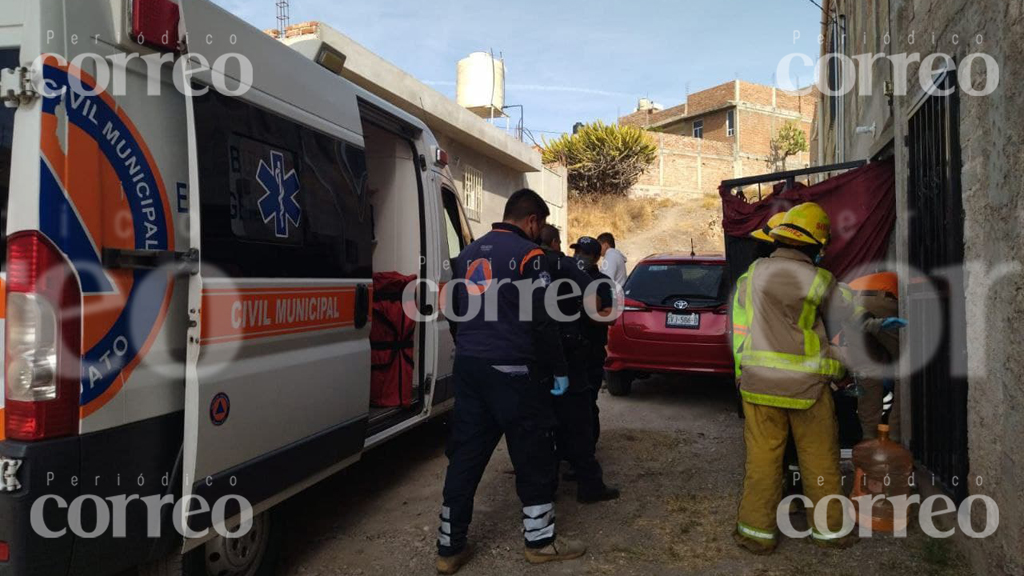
(786, 368)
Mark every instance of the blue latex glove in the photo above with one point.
(561, 385)
(892, 324)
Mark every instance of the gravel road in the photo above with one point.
(674, 446)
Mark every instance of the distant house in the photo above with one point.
(720, 133)
(488, 164)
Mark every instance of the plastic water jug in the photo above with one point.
(883, 468)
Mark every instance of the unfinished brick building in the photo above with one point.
(719, 133)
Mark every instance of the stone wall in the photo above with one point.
(991, 147)
(993, 203)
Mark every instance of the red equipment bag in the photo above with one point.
(392, 336)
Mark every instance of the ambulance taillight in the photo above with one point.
(154, 23)
(43, 341)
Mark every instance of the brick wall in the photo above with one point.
(714, 127)
(712, 98)
(686, 167)
(757, 128)
(644, 118)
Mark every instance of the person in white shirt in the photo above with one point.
(613, 262)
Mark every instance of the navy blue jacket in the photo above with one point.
(564, 267)
(489, 267)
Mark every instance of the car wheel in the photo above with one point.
(739, 404)
(253, 554)
(619, 383)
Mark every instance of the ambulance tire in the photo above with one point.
(619, 383)
(210, 558)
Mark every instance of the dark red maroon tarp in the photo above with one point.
(861, 204)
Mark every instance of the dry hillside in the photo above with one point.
(644, 226)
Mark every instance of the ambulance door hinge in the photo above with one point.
(16, 88)
(9, 475)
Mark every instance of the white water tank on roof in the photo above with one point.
(480, 84)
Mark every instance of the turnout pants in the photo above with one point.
(575, 436)
(491, 401)
(815, 433)
(869, 409)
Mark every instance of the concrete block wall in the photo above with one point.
(499, 182)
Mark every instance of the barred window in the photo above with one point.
(472, 192)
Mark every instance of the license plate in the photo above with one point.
(682, 320)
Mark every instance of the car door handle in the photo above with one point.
(361, 314)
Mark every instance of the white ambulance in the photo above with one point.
(194, 217)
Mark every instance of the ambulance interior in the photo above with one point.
(394, 193)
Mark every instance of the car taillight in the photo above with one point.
(43, 341)
(630, 305)
(155, 23)
(5, 552)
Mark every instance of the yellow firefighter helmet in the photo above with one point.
(762, 234)
(804, 225)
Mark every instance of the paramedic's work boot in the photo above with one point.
(452, 564)
(602, 495)
(560, 549)
(754, 546)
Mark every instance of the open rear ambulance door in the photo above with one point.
(278, 365)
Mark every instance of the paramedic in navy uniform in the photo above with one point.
(499, 355)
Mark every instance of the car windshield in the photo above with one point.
(659, 284)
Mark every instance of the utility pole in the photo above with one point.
(283, 17)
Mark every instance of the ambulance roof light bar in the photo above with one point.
(440, 156)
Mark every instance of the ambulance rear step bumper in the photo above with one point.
(147, 449)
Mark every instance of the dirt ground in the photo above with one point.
(675, 448)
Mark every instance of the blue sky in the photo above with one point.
(573, 60)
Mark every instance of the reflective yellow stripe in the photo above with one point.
(809, 313)
(777, 401)
(795, 363)
(754, 532)
(847, 295)
(740, 319)
(822, 536)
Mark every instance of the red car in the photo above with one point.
(676, 321)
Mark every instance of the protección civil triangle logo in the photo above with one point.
(279, 203)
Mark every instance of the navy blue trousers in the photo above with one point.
(575, 437)
(491, 401)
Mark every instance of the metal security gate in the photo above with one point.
(936, 302)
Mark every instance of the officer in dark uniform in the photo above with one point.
(574, 409)
(499, 362)
(588, 251)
